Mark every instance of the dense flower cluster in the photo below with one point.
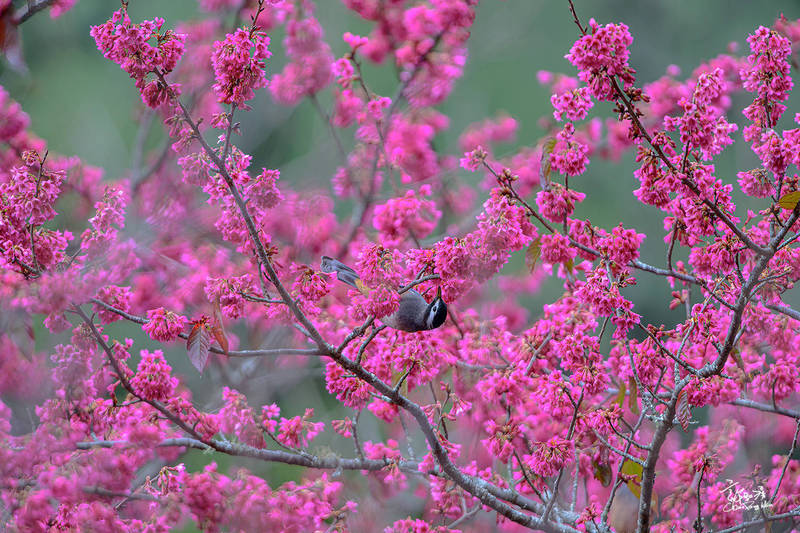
(130, 46)
(476, 424)
(601, 54)
(163, 325)
(27, 197)
(239, 68)
(401, 218)
(153, 379)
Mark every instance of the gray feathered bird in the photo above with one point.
(413, 313)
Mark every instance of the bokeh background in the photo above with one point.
(86, 106)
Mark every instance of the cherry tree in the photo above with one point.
(582, 416)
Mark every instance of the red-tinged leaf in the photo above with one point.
(789, 200)
(633, 400)
(198, 345)
(683, 411)
(222, 340)
(219, 328)
(532, 254)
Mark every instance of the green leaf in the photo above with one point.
(602, 472)
(532, 254)
(789, 200)
(621, 394)
(633, 469)
(737, 357)
(633, 402)
(544, 162)
(569, 265)
(363, 289)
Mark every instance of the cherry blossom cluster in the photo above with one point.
(238, 63)
(562, 418)
(141, 50)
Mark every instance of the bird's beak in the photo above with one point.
(439, 292)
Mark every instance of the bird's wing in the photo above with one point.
(343, 272)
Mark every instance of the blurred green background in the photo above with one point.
(85, 105)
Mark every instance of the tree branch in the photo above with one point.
(230, 353)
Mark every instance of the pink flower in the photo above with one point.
(474, 159)
(551, 456)
(59, 7)
(556, 248)
(129, 46)
(490, 131)
(298, 432)
(343, 427)
(118, 297)
(703, 125)
(239, 67)
(556, 202)
(348, 389)
(237, 418)
(309, 287)
(415, 525)
(569, 156)
(391, 475)
(164, 325)
(310, 68)
(574, 104)
(347, 107)
(622, 246)
(354, 41)
(263, 193)
(153, 379)
(603, 52)
(410, 215)
(409, 147)
(229, 291)
(501, 438)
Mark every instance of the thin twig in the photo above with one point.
(231, 353)
(786, 464)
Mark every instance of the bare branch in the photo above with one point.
(30, 9)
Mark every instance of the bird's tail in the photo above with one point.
(343, 273)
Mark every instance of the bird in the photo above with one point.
(414, 313)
